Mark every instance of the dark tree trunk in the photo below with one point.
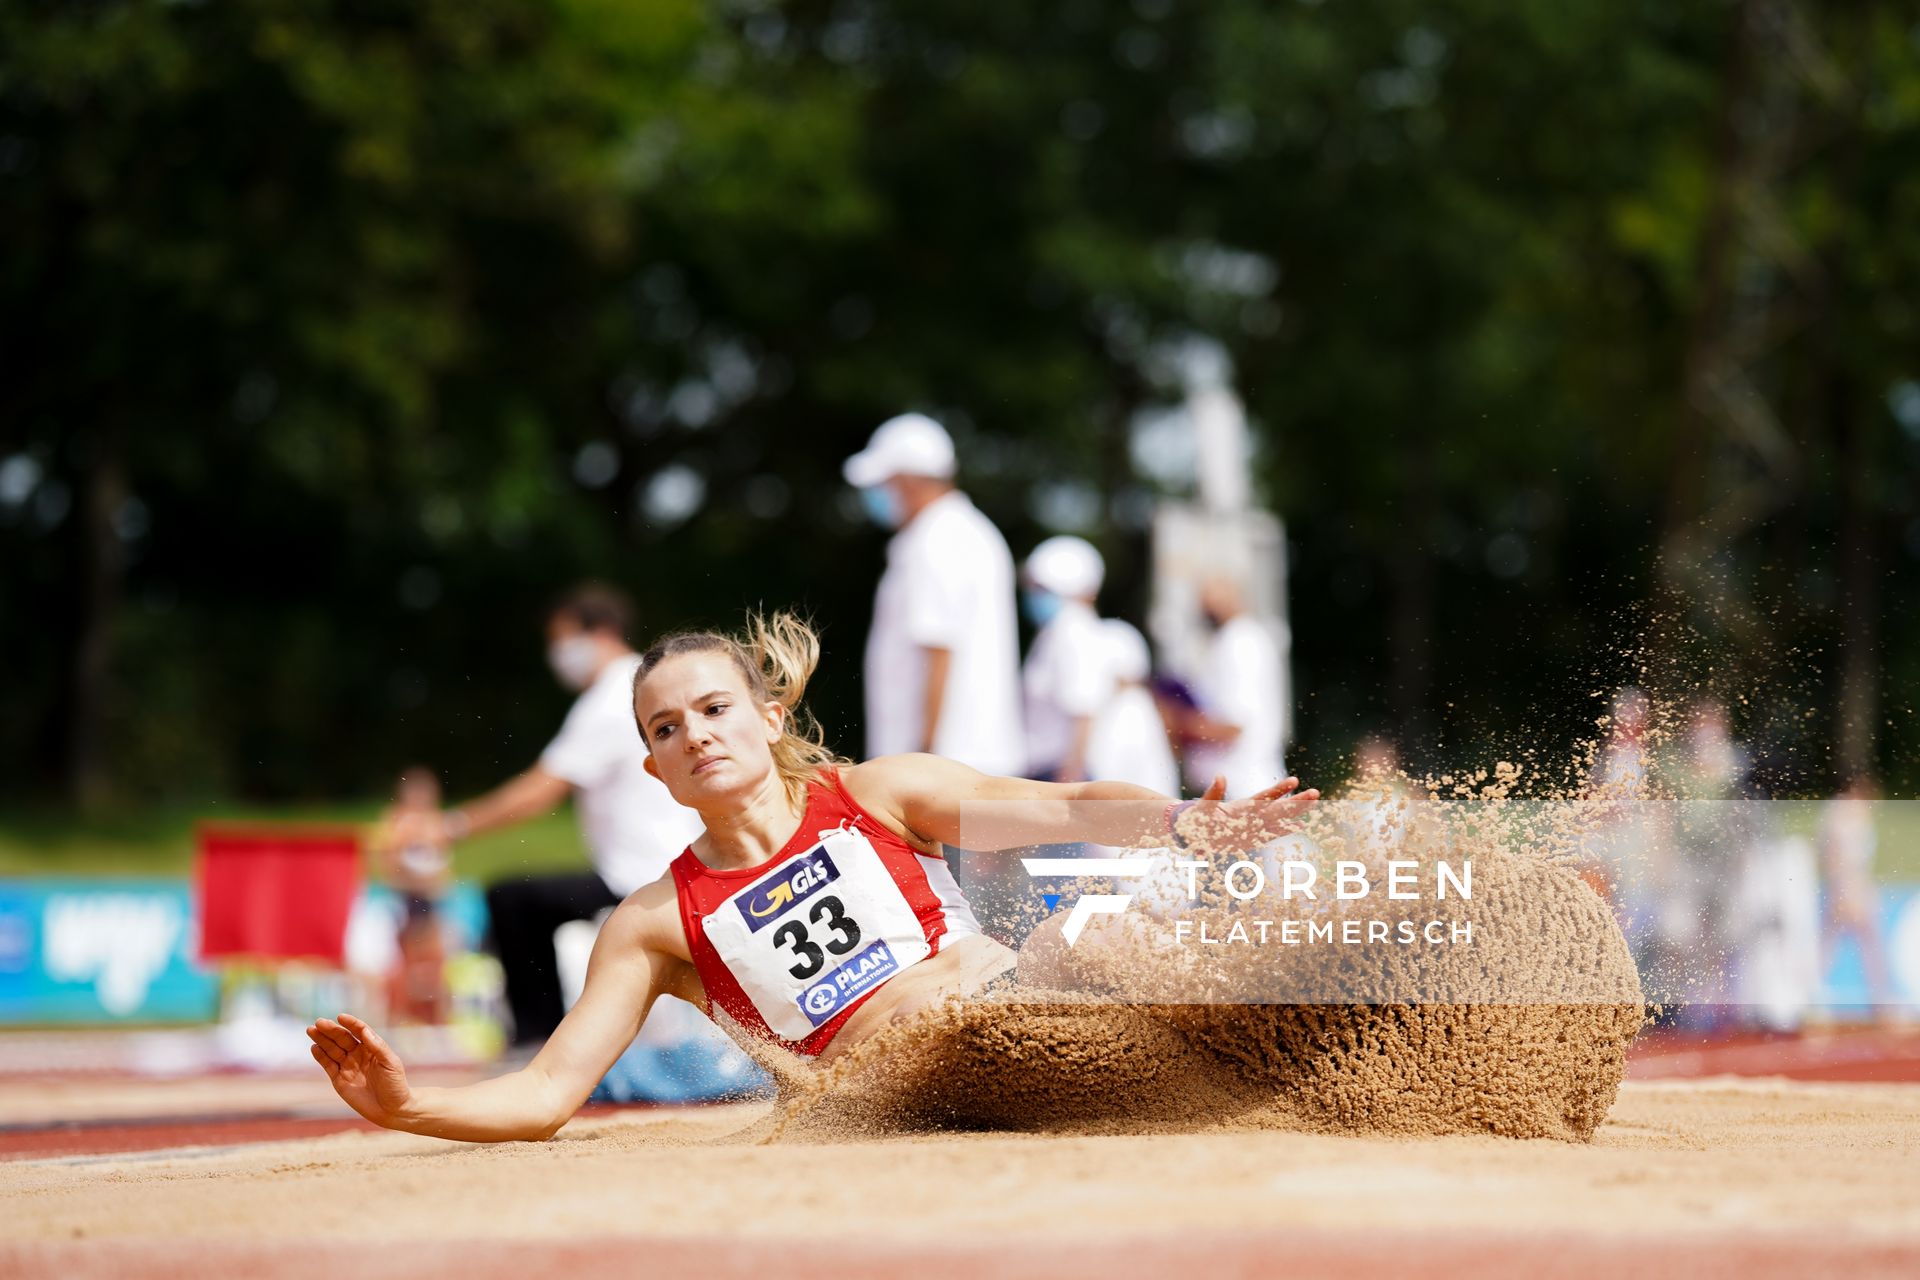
(1707, 328)
(1411, 570)
(1853, 431)
(102, 568)
(1856, 715)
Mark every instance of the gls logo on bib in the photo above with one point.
(791, 884)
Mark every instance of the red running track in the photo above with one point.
(1868, 1055)
(1403, 1255)
(71, 1138)
(87, 1138)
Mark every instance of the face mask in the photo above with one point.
(1039, 606)
(882, 505)
(574, 660)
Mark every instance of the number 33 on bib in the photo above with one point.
(816, 933)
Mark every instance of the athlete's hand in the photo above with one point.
(1214, 825)
(1276, 811)
(365, 1071)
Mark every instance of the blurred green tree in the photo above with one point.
(342, 334)
(308, 308)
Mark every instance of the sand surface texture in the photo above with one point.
(1671, 1158)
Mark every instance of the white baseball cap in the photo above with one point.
(1067, 566)
(910, 445)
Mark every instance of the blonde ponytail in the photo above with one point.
(786, 650)
(777, 655)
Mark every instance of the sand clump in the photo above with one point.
(1527, 1071)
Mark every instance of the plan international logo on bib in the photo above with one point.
(855, 978)
(793, 883)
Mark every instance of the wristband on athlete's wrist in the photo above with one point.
(457, 824)
(1174, 811)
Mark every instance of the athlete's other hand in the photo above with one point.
(364, 1069)
(1216, 825)
(1277, 810)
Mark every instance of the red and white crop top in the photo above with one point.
(790, 948)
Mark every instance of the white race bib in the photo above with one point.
(816, 933)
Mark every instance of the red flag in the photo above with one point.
(279, 893)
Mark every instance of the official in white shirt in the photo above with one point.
(943, 656)
(1068, 675)
(631, 827)
(1235, 732)
(1129, 742)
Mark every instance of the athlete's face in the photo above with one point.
(707, 738)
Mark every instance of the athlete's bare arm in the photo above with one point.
(939, 801)
(633, 962)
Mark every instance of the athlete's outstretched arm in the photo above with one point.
(941, 800)
(623, 979)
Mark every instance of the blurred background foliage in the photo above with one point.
(1577, 335)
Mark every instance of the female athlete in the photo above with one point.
(814, 910)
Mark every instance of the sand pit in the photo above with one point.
(1119, 1128)
(1523, 1033)
(1065, 1067)
(1824, 1173)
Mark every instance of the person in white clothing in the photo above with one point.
(1235, 732)
(1067, 677)
(1129, 742)
(631, 826)
(944, 652)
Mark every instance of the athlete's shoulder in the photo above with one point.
(909, 770)
(889, 787)
(648, 918)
